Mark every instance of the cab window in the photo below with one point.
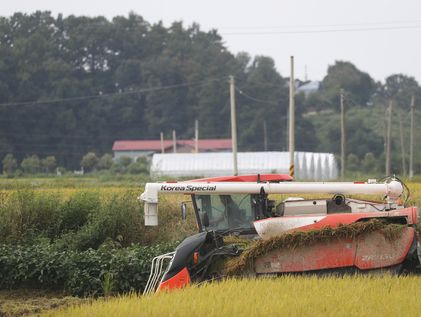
(226, 211)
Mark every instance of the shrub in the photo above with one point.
(76, 211)
(48, 164)
(353, 162)
(23, 214)
(121, 164)
(105, 162)
(139, 167)
(124, 161)
(118, 219)
(31, 165)
(369, 163)
(9, 165)
(86, 218)
(89, 162)
(79, 273)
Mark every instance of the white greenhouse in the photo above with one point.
(308, 165)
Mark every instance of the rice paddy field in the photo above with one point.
(284, 296)
(380, 295)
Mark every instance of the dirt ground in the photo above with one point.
(16, 303)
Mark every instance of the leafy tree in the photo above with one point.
(359, 85)
(117, 168)
(49, 164)
(124, 161)
(369, 163)
(9, 164)
(89, 161)
(121, 164)
(259, 102)
(399, 84)
(31, 164)
(136, 168)
(141, 166)
(353, 162)
(105, 162)
(400, 89)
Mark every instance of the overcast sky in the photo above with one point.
(381, 37)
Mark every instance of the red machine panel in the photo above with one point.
(376, 251)
(371, 251)
(179, 280)
(334, 254)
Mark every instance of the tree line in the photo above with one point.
(73, 85)
(33, 165)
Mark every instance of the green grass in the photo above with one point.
(87, 217)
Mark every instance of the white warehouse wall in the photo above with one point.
(308, 165)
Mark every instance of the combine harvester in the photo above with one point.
(244, 232)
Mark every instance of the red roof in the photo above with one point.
(247, 178)
(155, 145)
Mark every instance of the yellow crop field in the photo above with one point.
(104, 193)
(135, 191)
(415, 189)
(283, 296)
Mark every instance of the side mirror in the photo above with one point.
(183, 211)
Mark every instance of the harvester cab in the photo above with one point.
(236, 214)
(227, 213)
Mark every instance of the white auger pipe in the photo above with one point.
(393, 190)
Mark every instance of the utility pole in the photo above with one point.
(402, 145)
(265, 136)
(286, 131)
(389, 139)
(386, 110)
(174, 142)
(291, 119)
(343, 136)
(233, 125)
(162, 142)
(411, 140)
(196, 136)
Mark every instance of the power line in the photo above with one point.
(77, 154)
(282, 84)
(320, 25)
(384, 28)
(100, 136)
(255, 99)
(54, 145)
(139, 91)
(60, 137)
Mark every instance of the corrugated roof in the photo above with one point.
(308, 165)
(311, 86)
(155, 145)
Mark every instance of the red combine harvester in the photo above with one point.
(242, 206)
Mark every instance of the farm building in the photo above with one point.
(308, 165)
(137, 148)
(308, 88)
